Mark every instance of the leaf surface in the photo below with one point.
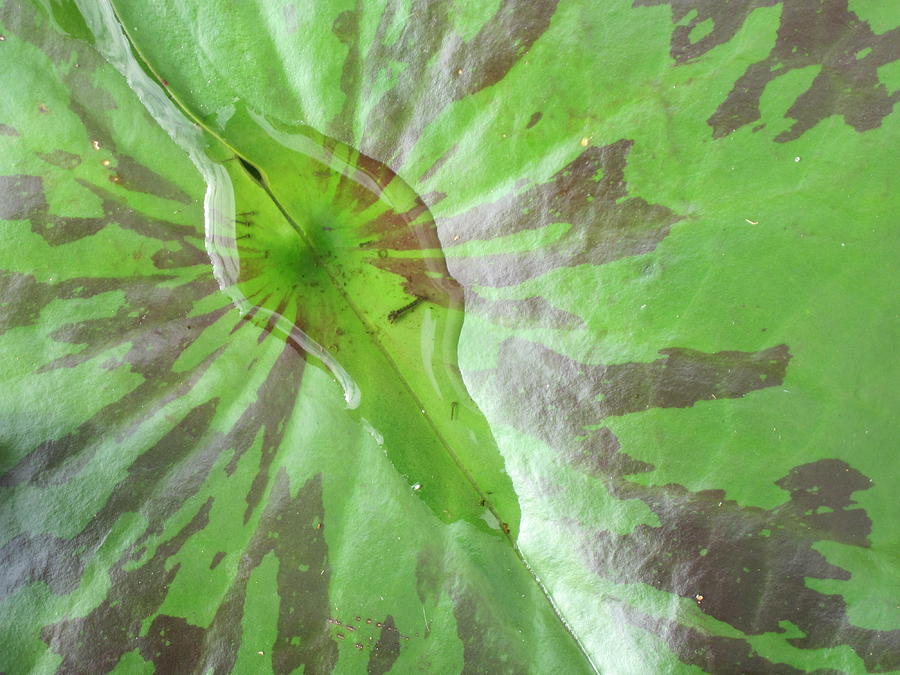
(669, 227)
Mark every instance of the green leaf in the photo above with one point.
(669, 227)
(180, 487)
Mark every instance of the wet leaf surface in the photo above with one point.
(605, 288)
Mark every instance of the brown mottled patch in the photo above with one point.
(270, 412)
(87, 103)
(748, 566)
(95, 642)
(88, 100)
(744, 566)
(146, 307)
(287, 528)
(60, 562)
(590, 193)
(20, 196)
(172, 644)
(386, 650)
(61, 158)
(6, 130)
(822, 33)
(527, 312)
(537, 383)
(485, 650)
(712, 653)
(432, 54)
(303, 578)
(346, 28)
(438, 163)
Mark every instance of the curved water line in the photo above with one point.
(218, 201)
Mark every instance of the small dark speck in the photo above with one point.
(535, 118)
(252, 170)
(217, 558)
(43, 109)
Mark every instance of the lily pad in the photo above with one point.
(447, 336)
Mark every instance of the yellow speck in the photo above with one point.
(95, 144)
(585, 141)
(455, 237)
(105, 162)
(752, 222)
(261, 653)
(459, 72)
(698, 597)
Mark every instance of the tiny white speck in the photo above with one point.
(796, 159)
(643, 306)
(416, 486)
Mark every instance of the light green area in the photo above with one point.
(889, 75)
(880, 16)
